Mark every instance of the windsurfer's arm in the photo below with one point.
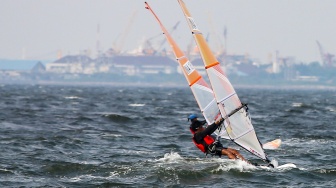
(210, 129)
(214, 126)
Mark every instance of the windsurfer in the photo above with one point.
(208, 144)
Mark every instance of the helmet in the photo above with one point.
(192, 116)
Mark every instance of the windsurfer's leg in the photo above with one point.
(236, 154)
(228, 153)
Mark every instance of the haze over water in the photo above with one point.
(39, 29)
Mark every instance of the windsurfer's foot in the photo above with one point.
(270, 165)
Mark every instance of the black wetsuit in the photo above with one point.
(199, 138)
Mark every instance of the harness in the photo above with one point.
(207, 141)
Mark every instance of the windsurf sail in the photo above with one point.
(237, 121)
(201, 90)
(274, 144)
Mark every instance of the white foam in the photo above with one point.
(72, 97)
(287, 166)
(111, 135)
(304, 141)
(224, 164)
(297, 104)
(137, 105)
(229, 164)
(331, 109)
(171, 157)
(283, 167)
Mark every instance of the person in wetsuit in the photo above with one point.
(208, 144)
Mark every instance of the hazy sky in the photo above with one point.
(40, 28)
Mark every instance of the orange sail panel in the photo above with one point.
(200, 89)
(237, 122)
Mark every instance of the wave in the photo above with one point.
(117, 117)
(5, 172)
(72, 97)
(327, 171)
(137, 105)
(213, 164)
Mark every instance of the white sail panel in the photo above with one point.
(206, 101)
(238, 126)
(250, 142)
(237, 121)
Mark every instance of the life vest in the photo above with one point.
(206, 142)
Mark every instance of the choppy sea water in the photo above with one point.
(77, 136)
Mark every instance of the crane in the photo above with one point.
(148, 44)
(327, 58)
(173, 29)
(119, 47)
(218, 40)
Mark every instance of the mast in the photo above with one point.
(200, 89)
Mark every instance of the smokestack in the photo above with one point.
(276, 68)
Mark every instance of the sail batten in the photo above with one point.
(197, 33)
(237, 123)
(243, 134)
(182, 57)
(210, 104)
(211, 65)
(225, 98)
(195, 81)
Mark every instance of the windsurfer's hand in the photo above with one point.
(218, 122)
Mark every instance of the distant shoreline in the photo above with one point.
(161, 85)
